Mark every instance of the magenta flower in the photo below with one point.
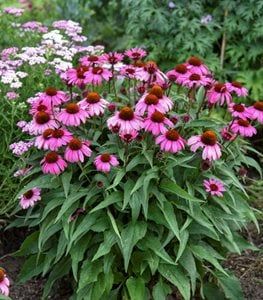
(128, 137)
(150, 73)
(105, 161)
(238, 110)
(42, 141)
(75, 76)
(155, 123)
(95, 75)
(53, 163)
(195, 80)
(42, 121)
(219, 94)
(72, 115)
(77, 150)
(126, 120)
(208, 142)
(128, 71)
(90, 60)
(37, 106)
(29, 198)
(243, 127)
(256, 111)
(214, 187)
(94, 104)
(171, 141)
(52, 97)
(178, 74)
(135, 53)
(237, 88)
(112, 57)
(195, 65)
(56, 139)
(227, 134)
(4, 283)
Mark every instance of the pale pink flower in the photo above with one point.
(178, 74)
(256, 111)
(243, 127)
(128, 137)
(75, 76)
(94, 104)
(72, 115)
(238, 110)
(195, 80)
(126, 120)
(53, 163)
(59, 137)
(105, 161)
(150, 73)
(22, 172)
(156, 123)
(95, 75)
(38, 105)
(90, 60)
(12, 95)
(42, 121)
(112, 57)
(29, 198)
(208, 142)
(52, 97)
(4, 283)
(219, 94)
(128, 71)
(196, 65)
(237, 88)
(135, 53)
(214, 187)
(171, 141)
(77, 150)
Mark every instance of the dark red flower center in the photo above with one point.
(220, 87)
(136, 55)
(194, 77)
(47, 133)
(75, 144)
(139, 64)
(93, 58)
(182, 69)
(209, 138)
(72, 108)
(236, 84)
(127, 137)
(126, 114)
(51, 91)
(157, 117)
(151, 99)
(130, 71)
(93, 97)
(105, 157)
(157, 91)
(42, 117)
(172, 135)
(258, 105)
(243, 123)
(81, 70)
(51, 157)
(213, 187)
(2, 274)
(238, 107)
(172, 77)
(151, 67)
(195, 61)
(58, 133)
(29, 194)
(97, 70)
(41, 107)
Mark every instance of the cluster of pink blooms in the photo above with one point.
(15, 11)
(21, 147)
(57, 114)
(4, 283)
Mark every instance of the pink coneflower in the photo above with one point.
(238, 110)
(156, 122)
(227, 134)
(42, 121)
(29, 198)
(149, 72)
(52, 97)
(75, 76)
(195, 80)
(128, 137)
(243, 127)
(178, 74)
(155, 100)
(95, 75)
(59, 137)
(171, 141)
(219, 94)
(196, 65)
(77, 150)
(90, 60)
(105, 161)
(4, 283)
(237, 88)
(128, 71)
(256, 111)
(207, 141)
(112, 57)
(126, 120)
(94, 104)
(72, 115)
(42, 141)
(214, 187)
(135, 53)
(53, 163)
(38, 106)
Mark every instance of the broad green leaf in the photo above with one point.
(136, 288)
(120, 174)
(110, 199)
(128, 186)
(66, 178)
(187, 261)
(89, 273)
(137, 160)
(161, 290)
(114, 225)
(105, 246)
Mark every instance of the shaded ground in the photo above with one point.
(248, 268)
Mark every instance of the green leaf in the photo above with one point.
(177, 277)
(114, 225)
(120, 174)
(130, 236)
(161, 290)
(136, 288)
(129, 184)
(137, 160)
(33, 266)
(231, 286)
(188, 263)
(110, 199)
(105, 246)
(29, 245)
(66, 178)
(89, 273)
